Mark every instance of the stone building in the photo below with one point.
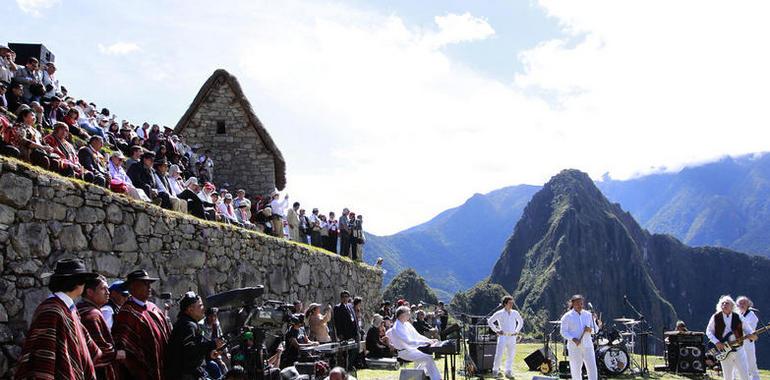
(221, 119)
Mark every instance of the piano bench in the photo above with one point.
(383, 363)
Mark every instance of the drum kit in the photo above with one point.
(615, 346)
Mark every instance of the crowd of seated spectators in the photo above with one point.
(41, 123)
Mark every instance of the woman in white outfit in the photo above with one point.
(577, 325)
(404, 338)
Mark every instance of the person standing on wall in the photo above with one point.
(344, 226)
(506, 323)
(577, 325)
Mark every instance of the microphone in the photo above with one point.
(590, 306)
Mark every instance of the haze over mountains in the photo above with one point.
(724, 203)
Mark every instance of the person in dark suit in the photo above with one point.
(188, 349)
(92, 161)
(345, 323)
(195, 206)
(141, 174)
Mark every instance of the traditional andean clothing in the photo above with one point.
(142, 330)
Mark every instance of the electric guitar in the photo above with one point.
(731, 347)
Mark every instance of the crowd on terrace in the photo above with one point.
(45, 125)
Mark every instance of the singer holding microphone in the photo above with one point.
(507, 323)
(577, 325)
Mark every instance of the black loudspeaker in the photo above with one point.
(483, 355)
(536, 359)
(25, 51)
(687, 358)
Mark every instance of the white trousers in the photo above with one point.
(422, 361)
(735, 364)
(579, 355)
(505, 343)
(751, 359)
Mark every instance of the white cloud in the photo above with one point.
(35, 7)
(119, 48)
(455, 28)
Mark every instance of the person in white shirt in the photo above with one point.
(175, 180)
(7, 66)
(727, 326)
(49, 81)
(404, 338)
(749, 315)
(577, 325)
(506, 323)
(117, 172)
(227, 210)
(279, 212)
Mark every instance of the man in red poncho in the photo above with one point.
(96, 295)
(142, 330)
(57, 345)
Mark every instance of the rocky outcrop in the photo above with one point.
(411, 287)
(44, 217)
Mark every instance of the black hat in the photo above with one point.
(140, 274)
(188, 299)
(148, 154)
(161, 161)
(69, 268)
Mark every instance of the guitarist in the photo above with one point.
(577, 325)
(726, 326)
(749, 314)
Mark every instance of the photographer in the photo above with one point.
(188, 349)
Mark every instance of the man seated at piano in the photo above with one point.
(294, 341)
(377, 345)
(410, 344)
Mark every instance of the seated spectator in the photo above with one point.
(71, 119)
(15, 97)
(423, 326)
(263, 220)
(118, 173)
(53, 110)
(23, 136)
(89, 123)
(242, 214)
(6, 149)
(3, 99)
(206, 191)
(175, 180)
(227, 210)
(50, 83)
(214, 213)
(91, 158)
(69, 164)
(164, 186)
(7, 66)
(195, 206)
(31, 79)
(142, 176)
(39, 114)
(134, 156)
(376, 342)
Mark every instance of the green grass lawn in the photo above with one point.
(522, 373)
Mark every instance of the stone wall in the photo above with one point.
(241, 157)
(44, 217)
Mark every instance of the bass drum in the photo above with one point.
(612, 360)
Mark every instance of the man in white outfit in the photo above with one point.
(745, 306)
(727, 326)
(404, 338)
(577, 325)
(506, 323)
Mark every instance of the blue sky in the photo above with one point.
(401, 109)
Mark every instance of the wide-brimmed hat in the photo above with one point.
(575, 298)
(117, 154)
(140, 275)
(190, 181)
(69, 268)
(161, 161)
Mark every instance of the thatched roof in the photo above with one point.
(221, 74)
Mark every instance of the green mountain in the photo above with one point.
(410, 286)
(572, 239)
(724, 203)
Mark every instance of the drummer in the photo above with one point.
(577, 325)
(294, 341)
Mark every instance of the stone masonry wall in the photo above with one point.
(241, 159)
(44, 217)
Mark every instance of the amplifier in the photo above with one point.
(686, 338)
(686, 358)
(483, 355)
(25, 51)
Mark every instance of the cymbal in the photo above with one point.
(623, 320)
(555, 322)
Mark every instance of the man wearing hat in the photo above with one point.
(57, 345)
(95, 295)
(577, 325)
(188, 349)
(141, 329)
(195, 205)
(119, 177)
(7, 65)
(142, 176)
(164, 185)
(118, 296)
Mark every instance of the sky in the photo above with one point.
(402, 109)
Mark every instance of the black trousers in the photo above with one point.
(331, 243)
(344, 243)
(315, 238)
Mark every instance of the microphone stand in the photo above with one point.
(642, 335)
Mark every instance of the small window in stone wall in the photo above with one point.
(220, 127)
